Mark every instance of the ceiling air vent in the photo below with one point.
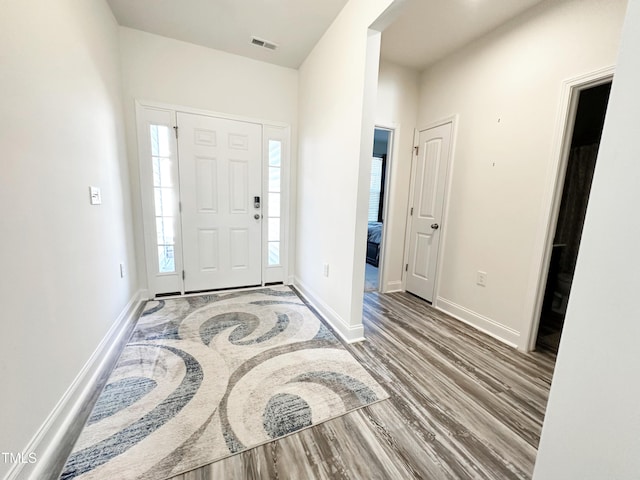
(263, 43)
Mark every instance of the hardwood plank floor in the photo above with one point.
(462, 406)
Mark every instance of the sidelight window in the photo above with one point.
(274, 211)
(164, 194)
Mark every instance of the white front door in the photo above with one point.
(429, 184)
(221, 202)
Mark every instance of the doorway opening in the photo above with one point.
(580, 166)
(377, 204)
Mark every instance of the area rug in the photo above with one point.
(206, 377)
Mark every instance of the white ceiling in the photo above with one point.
(295, 25)
(425, 30)
(428, 30)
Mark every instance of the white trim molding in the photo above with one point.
(484, 324)
(394, 286)
(348, 333)
(55, 438)
(209, 113)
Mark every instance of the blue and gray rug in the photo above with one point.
(205, 377)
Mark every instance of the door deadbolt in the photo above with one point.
(256, 202)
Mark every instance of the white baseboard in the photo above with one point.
(395, 286)
(349, 334)
(484, 324)
(49, 441)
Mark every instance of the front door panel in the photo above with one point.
(220, 174)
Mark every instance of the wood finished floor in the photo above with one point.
(462, 406)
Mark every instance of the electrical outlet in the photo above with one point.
(123, 272)
(325, 269)
(481, 278)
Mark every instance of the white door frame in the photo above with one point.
(453, 120)
(385, 202)
(553, 197)
(284, 134)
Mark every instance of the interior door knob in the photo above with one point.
(435, 226)
(257, 216)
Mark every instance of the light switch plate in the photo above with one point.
(95, 197)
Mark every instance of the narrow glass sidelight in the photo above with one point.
(274, 253)
(274, 209)
(164, 196)
(275, 153)
(166, 259)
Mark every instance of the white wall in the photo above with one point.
(506, 88)
(397, 107)
(164, 70)
(335, 80)
(592, 424)
(62, 130)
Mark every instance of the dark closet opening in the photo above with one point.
(585, 141)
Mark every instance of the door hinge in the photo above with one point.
(411, 213)
(417, 148)
(183, 274)
(406, 267)
(176, 130)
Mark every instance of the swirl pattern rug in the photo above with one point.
(206, 377)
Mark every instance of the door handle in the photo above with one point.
(435, 226)
(257, 216)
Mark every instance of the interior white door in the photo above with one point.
(429, 184)
(220, 181)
